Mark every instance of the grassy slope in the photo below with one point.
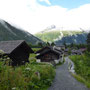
(52, 35)
(82, 68)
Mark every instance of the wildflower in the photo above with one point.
(38, 74)
(28, 68)
(14, 88)
(8, 58)
(1, 52)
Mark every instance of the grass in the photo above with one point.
(82, 80)
(28, 77)
(35, 49)
(32, 55)
(31, 76)
(82, 68)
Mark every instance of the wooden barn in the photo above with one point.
(43, 49)
(48, 54)
(17, 50)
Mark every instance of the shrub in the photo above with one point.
(82, 66)
(33, 61)
(31, 76)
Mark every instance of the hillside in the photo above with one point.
(9, 32)
(77, 39)
(61, 36)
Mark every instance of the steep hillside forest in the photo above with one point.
(9, 32)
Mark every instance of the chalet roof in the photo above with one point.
(47, 48)
(83, 49)
(76, 51)
(44, 49)
(9, 46)
(57, 49)
(42, 52)
(54, 51)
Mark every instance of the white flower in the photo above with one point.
(14, 88)
(28, 68)
(1, 51)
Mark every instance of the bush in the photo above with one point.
(33, 61)
(82, 66)
(31, 76)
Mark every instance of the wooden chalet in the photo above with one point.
(48, 54)
(76, 52)
(66, 51)
(17, 50)
(43, 49)
(83, 50)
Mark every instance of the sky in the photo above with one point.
(36, 15)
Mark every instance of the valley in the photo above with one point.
(41, 60)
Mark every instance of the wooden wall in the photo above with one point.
(49, 57)
(19, 56)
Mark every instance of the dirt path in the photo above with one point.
(64, 81)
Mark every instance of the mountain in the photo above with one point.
(61, 36)
(9, 32)
(76, 39)
(54, 34)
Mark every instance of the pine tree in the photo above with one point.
(64, 43)
(40, 44)
(52, 44)
(88, 42)
(48, 44)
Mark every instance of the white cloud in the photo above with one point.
(47, 1)
(34, 17)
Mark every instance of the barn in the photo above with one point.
(17, 50)
(43, 49)
(48, 54)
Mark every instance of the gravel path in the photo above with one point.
(64, 81)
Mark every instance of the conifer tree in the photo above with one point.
(88, 42)
(52, 44)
